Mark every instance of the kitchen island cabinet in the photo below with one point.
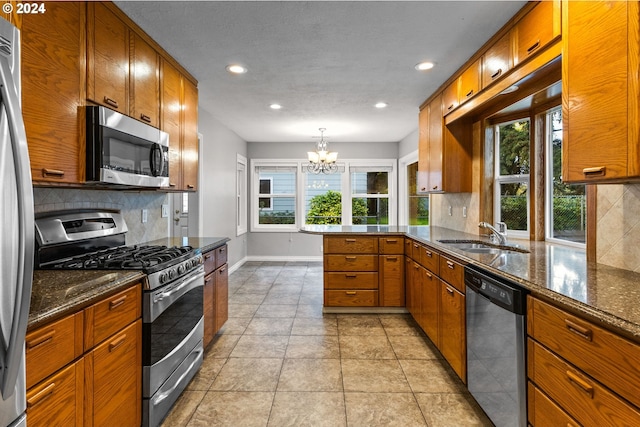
(85, 369)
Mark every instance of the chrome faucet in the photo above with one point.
(499, 235)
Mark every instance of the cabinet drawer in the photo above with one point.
(582, 397)
(609, 358)
(536, 29)
(50, 347)
(209, 259)
(391, 245)
(452, 272)
(416, 250)
(348, 298)
(430, 260)
(351, 280)
(221, 256)
(57, 401)
(110, 315)
(116, 369)
(350, 245)
(208, 310)
(408, 248)
(351, 262)
(543, 411)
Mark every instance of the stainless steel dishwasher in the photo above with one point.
(496, 346)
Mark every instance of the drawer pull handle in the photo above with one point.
(117, 343)
(111, 102)
(582, 384)
(533, 47)
(172, 184)
(597, 171)
(450, 265)
(435, 187)
(222, 250)
(52, 172)
(37, 342)
(191, 186)
(145, 118)
(222, 270)
(496, 74)
(350, 240)
(450, 107)
(41, 395)
(392, 240)
(415, 245)
(351, 276)
(392, 258)
(449, 290)
(117, 302)
(207, 257)
(350, 292)
(581, 331)
(350, 257)
(428, 253)
(469, 94)
(429, 275)
(207, 281)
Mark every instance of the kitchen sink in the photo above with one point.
(481, 247)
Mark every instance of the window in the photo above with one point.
(566, 215)
(275, 197)
(418, 204)
(511, 200)
(369, 195)
(323, 199)
(241, 195)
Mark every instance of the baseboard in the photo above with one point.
(364, 310)
(237, 265)
(283, 258)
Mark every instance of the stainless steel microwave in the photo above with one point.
(121, 150)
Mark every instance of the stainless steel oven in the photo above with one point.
(172, 333)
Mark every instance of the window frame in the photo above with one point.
(499, 179)
(241, 194)
(256, 195)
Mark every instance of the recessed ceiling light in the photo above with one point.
(381, 105)
(422, 66)
(236, 69)
(275, 106)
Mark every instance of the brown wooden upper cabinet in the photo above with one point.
(497, 60)
(600, 91)
(107, 58)
(450, 97)
(469, 85)
(144, 97)
(536, 29)
(179, 118)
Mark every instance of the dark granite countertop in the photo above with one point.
(57, 293)
(204, 243)
(606, 295)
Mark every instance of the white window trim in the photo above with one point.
(548, 190)
(403, 187)
(255, 194)
(241, 195)
(299, 164)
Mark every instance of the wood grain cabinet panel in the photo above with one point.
(209, 309)
(114, 385)
(497, 60)
(190, 137)
(452, 272)
(58, 400)
(392, 287)
(52, 346)
(391, 245)
(221, 297)
(469, 85)
(450, 98)
(144, 94)
(351, 280)
(350, 245)
(451, 323)
(585, 399)
(544, 411)
(430, 305)
(601, 107)
(107, 58)
(351, 298)
(537, 29)
(112, 314)
(351, 263)
(53, 92)
(171, 120)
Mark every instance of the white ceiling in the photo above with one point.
(326, 63)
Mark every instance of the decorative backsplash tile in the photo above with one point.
(130, 203)
(618, 226)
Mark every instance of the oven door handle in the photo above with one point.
(173, 291)
(162, 396)
(156, 303)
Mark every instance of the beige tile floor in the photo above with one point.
(279, 361)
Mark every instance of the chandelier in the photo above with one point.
(322, 160)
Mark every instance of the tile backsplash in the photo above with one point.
(618, 226)
(130, 203)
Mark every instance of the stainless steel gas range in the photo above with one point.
(172, 302)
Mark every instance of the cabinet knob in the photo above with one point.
(435, 187)
(145, 118)
(111, 102)
(52, 172)
(496, 74)
(533, 47)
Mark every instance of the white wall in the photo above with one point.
(409, 144)
(218, 185)
(301, 246)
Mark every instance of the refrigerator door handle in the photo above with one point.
(17, 133)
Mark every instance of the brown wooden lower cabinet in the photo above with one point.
(216, 292)
(543, 411)
(452, 328)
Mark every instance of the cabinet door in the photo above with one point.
(144, 95)
(190, 137)
(391, 278)
(221, 297)
(209, 308)
(170, 120)
(497, 60)
(600, 107)
(53, 91)
(536, 29)
(436, 141)
(451, 321)
(423, 150)
(450, 98)
(429, 302)
(58, 400)
(469, 85)
(107, 58)
(114, 379)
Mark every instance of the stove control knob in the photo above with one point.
(172, 274)
(163, 277)
(181, 269)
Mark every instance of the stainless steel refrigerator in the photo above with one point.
(16, 233)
